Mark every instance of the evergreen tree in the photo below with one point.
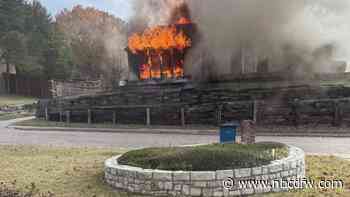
(28, 40)
(12, 16)
(13, 49)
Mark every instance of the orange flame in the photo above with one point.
(163, 47)
(147, 72)
(159, 38)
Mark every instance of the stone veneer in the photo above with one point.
(182, 183)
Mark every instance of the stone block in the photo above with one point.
(168, 185)
(293, 172)
(207, 192)
(178, 187)
(123, 172)
(215, 184)
(186, 190)
(218, 194)
(144, 174)
(113, 171)
(202, 176)
(293, 164)
(181, 176)
(238, 193)
(224, 174)
(119, 185)
(246, 192)
(160, 185)
(257, 171)
(286, 166)
(244, 172)
(276, 168)
(265, 170)
(199, 184)
(196, 191)
(284, 174)
(162, 175)
(262, 190)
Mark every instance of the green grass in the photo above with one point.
(13, 100)
(78, 172)
(44, 123)
(13, 115)
(206, 157)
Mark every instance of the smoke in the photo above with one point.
(290, 34)
(154, 12)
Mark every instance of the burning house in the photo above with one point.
(159, 52)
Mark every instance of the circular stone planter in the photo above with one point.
(210, 183)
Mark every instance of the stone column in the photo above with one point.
(47, 117)
(248, 132)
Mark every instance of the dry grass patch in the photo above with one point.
(324, 168)
(78, 172)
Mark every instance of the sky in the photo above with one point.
(119, 8)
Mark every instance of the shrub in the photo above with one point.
(205, 158)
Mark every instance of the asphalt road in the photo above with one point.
(311, 145)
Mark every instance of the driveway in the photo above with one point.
(311, 145)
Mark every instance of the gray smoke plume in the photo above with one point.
(301, 35)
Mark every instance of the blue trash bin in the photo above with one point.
(228, 133)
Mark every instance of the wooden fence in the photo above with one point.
(25, 86)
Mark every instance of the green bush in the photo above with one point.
(205, 158)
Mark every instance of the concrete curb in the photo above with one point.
(170, 131)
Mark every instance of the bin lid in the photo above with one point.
(231, 124)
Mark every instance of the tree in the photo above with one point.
(95, 38)
(38, 27)
(13, 49)
(30, 41)
(58, 58)
(12, 16)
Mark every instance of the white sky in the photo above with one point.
(119, 8)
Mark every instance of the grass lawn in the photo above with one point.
(323, 168)
(64, 172)
(13, 100)
(44, 123)
(78, 172)
(13, 115)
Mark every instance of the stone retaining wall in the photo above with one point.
(209, 104)
(180, 183)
